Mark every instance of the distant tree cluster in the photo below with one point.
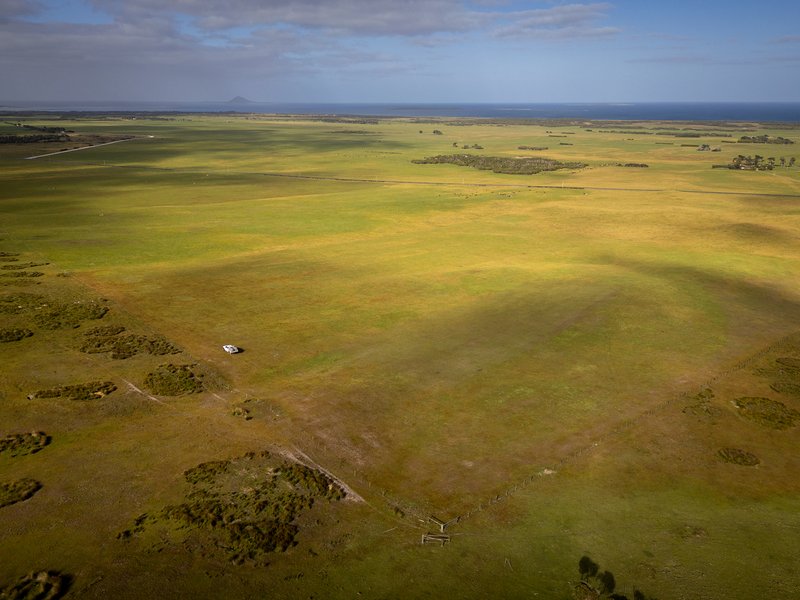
(38, 128)
(531, 147)
(30, 139)
(764, 139)
(437, 132)
(707, 148)
(757, 163)
(498, 164)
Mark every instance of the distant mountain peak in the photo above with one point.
(240, 100)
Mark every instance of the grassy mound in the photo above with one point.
(500, 164)
(20, 444)
(737, 456)
(174, 380)
(766, 412)
(247, 506)
(14, 335)
(93, 390)
(44, 585)
(18, 491)
(70, 316)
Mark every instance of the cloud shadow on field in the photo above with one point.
(758, 297)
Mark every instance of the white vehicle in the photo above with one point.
(230, 349)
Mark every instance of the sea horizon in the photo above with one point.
(662, 111)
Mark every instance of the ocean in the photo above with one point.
(662, 111)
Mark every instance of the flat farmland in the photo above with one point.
(594, 361)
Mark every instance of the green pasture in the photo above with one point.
(517, 351)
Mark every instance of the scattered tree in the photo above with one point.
(596, 585)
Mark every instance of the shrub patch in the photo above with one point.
(22, 274)
(93, 390)
(20, 266)
(737, 456)
(246, 506)
(108, 339)
(13, 304)
(702, 406)
(18, 491)
(44, 585)
(786, 387)
(174, 380)
(14, 335)
(20, 444)
(70, 316)
(766, 412)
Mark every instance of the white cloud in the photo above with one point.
(788, 39)
(365, 17)
(558, 22)
(152, 45)
(18, 8)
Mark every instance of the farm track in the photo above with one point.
(78, 149)
(530, 186)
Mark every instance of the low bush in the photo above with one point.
(20, 444)
(93, 390)
(14, 335)
(766, 412)
(174, 380)
(44, 585)
(69, 316)
(737, 456)
(18, 491)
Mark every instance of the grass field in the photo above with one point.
(528, 357)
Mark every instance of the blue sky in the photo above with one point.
(399, 50)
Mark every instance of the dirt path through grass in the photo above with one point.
(76, 149)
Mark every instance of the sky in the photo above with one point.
(400, 51)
